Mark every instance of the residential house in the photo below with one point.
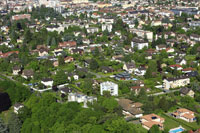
(21, 16)
(77, 51)
(143, 34)
(136, 89)
(187, 92)
(187, 70)
(47, 82)
(161, 47)
(16, 70)
(67, 44)
(106, 69)
(140, 71)
(176, 66)
(194, 23)
(123, 76)
(68, 59)
(92, 29)
(109, 86)
(131, 109)
(148, 121)
(129, 67)
(180, 61)
(28, 73)
(43, 52)
(176, 82)
(17, 107)
(184, 114)
(139, 43)
(87, 62)
(81, 98)
(195, 37)
(107, 27)
(118, 58)
(170, 50)
(65, 91)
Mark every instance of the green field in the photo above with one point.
(171, 122)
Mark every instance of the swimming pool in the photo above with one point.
(176, 130)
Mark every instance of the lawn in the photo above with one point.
(141, 129)
(171, 122)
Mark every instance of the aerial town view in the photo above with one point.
(99, 66)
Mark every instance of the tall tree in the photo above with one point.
(14, 123)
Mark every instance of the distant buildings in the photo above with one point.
(189, 11)
(21, 16)
(109, 86)
(194, 23)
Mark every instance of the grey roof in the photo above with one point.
(184, 90)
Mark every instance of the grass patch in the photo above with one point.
(141, 129)
(171, 122)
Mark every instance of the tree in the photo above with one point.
(142, 95)
(163, 104)
(94, 64)
(198, 119)
(24, 113)
(60, 78)
(53, 42)
(152, 69)
(61, 60)
(154, 129)
(27, 36)
(3, 127)
(110, 104)
(14, 123)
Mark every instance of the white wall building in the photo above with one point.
(175, 82)
(107, 27)
(109, 86)
(80, 98)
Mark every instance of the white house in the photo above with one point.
(16, 70)
(80, 98)
(140, 71)
(107, 26)
(109, 86)
(47, 82)
(139, 43)
(143, 34)
(129, 67)
(176, 82)
(184, 114)
(92, 29)
(17, 107)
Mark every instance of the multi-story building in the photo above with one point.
(176, 82)
(109, 86)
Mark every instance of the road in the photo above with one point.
(10, 77)
(98, 76)
(162, 93)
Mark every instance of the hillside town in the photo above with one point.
(99, 66)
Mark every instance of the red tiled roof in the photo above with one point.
(176, 65)
(188, 69)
